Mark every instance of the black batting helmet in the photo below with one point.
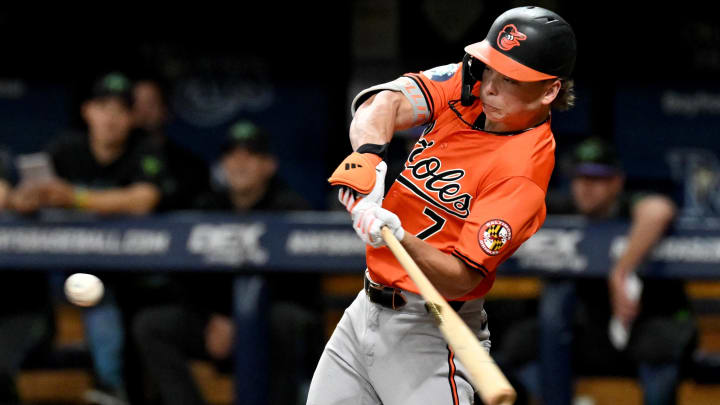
(528, 44)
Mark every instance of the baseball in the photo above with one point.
(84, 289)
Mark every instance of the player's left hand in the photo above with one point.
(350, 197)
(358, 172)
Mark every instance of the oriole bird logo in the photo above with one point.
(509, 37)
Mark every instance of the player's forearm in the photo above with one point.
(451, 277)
(137, 199)
(379, 117)
(650, 218)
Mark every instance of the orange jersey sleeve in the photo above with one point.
(428, 91)
(504, 215)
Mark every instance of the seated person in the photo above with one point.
(202, 327)
(107, 170)
(189, 173)
(574, 313)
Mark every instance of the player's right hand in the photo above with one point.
(368, 220)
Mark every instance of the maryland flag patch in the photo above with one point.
(494, 235)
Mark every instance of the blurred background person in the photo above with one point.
(245, 177)
(572, 328)
(189, 172)
(245, 181)
(108, 170)
(576, 313)
(26, 312)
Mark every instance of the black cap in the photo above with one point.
(594, 157)
(113, 84)
(528, 44)
(247, 135)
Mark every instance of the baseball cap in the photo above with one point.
(113, 84)
(247, 135)
(594, 157)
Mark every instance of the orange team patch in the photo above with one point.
(494, 235)
(510, 37)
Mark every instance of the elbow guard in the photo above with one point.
(407, 87)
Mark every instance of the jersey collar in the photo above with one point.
(481, 120)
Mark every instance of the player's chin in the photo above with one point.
(491, 110)
(494, 115)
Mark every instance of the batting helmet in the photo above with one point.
(527, 44)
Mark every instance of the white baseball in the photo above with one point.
(84, 289)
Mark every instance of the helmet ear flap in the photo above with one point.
(468, 81)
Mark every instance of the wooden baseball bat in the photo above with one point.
(485, 375)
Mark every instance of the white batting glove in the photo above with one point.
(369, 217)
(350, 198)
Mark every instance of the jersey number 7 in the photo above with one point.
(438, 224)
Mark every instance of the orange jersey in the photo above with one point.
(475, 195)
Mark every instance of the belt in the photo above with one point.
(393, 298)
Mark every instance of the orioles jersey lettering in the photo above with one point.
(472, 194)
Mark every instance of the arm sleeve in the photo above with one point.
(503, 216)
(439, 86)
(428, 91)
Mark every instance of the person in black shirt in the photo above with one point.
(245, 181)
(189, 172)
(109, 170)
(652, 335)
(244, 178)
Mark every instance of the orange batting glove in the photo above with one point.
(367, 213)
(358, 174)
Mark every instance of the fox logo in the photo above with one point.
(509, 37)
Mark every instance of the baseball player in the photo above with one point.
(471, 192)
